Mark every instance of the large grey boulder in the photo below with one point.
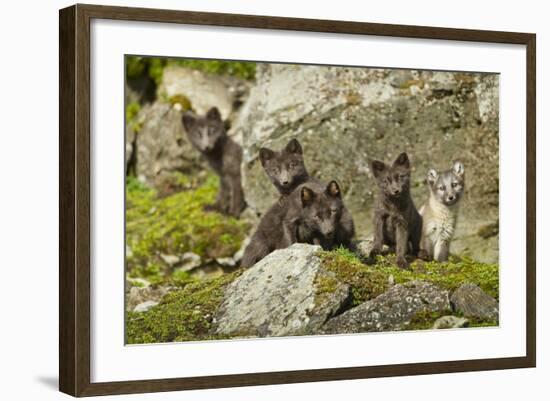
(203, 90)
(156, 141)
(344, 117)
(161, 144)
(392, 310)
(281, 296)
(472, 301)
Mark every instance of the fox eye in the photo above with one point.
(292, 165)
(442, 188)
(454, 184)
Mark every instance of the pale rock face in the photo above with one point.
(344, 117)
(392, 310)
(278, 296)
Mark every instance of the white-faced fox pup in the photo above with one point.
(287, 171)
(440, 212)
(396, 220)
(208, 136)
(306, 215)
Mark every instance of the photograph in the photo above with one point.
(274, 200)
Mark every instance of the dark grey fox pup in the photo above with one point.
(440, 213)
(208, 136)
(319, 219)
(285, 168)
(287, 171)
(270, 234)
(396, 220)
(307, 215)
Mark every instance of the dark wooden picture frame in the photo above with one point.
(74, 199)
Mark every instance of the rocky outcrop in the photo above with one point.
(392, 310)
(156, 141)
(161, 144)
(204, 91)
(282, 295)
(144, 295)
(471, 301)
(344, 117)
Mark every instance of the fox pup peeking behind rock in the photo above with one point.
(396, 220)
(287, 171)
(208, 136)
(440, 212)
(306, 215)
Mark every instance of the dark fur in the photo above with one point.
(208, 135)
(287, 171)
(319, 217)
(396, 220)
(285, 168)
(315, 216)
(270, 234)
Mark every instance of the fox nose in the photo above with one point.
(285, 183)
(451, 198)
(396, 191)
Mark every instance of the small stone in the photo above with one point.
(170, 260)
(137, 282)
(471, 301)
(227, 262)
(450, 322)
(145, 306)
(188, 261)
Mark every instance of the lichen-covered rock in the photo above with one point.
(139, 295)
(392, 310)
(162, 146)
(344, 117)
(472, 301)
(450, 322)
(286, 293)
(203, 90)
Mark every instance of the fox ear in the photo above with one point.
(293, 147)
(432, 176)
(377, 167)
(213, 114)
(307, 196)
(188, 120)
(333, 189)
(402, 160)
(458, 168)
(265, 155)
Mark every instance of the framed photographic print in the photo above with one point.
(250, 200)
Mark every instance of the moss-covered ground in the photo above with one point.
(369, 281)
(182, 315)
(176, 224)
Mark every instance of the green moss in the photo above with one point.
(448, 275)
(176, 224)
(132, 110)
(182, 315)
(182, 100)
(425, 320)
(137, 66)
(365, 281)
(369, 281)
